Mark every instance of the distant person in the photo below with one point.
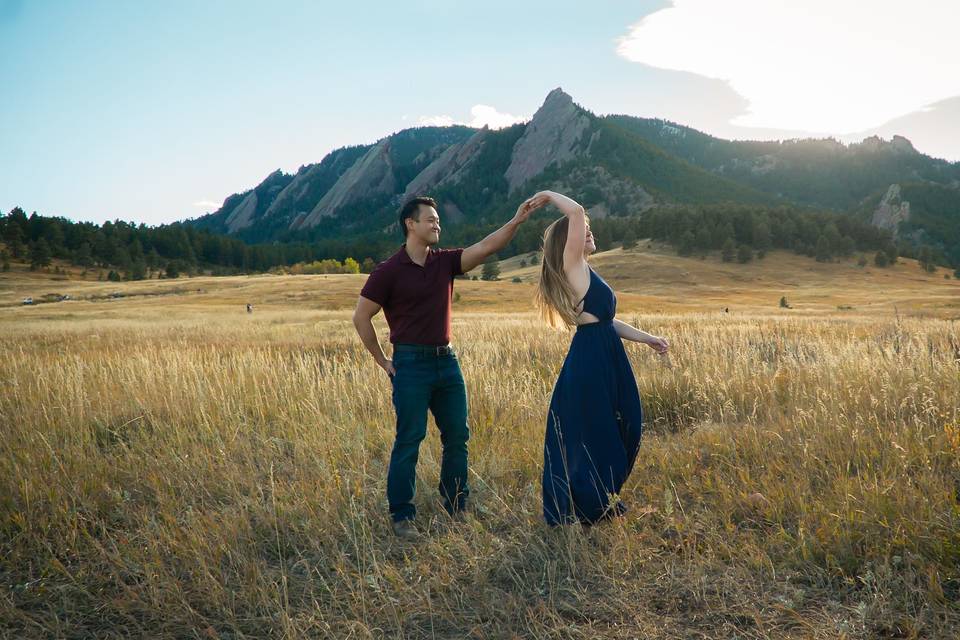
(249, 308)
(414, 287)
(595, 418)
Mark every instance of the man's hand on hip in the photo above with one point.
(387, 366)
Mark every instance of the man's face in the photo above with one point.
(426, 227)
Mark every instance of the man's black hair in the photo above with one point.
(412, 210)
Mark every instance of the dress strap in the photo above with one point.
(585, 294)
(578, 304)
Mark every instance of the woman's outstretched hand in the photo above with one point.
(530, 205)
(658, 344)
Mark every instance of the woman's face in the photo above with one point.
(589, 246)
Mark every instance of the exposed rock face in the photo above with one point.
(669, 130)
(242, 216)
(550, 138)
(295, 191)
(449, 166)
(371, 175)
(300, 195)
(898, 144)
(891, 211)
(873, 143)
(903, 145)
(241, 211)
(452, 212)
(764, 164)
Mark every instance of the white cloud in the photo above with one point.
(207, 204)
(482, 115)
(818, 65)
(487, 116)
(436, 121)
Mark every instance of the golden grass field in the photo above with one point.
(173, 467)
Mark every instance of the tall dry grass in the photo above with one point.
(200, 476)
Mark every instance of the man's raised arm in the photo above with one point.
(475, 254)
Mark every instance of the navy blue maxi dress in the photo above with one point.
(595, 420)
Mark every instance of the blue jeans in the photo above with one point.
(425, 380)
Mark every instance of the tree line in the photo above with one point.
(738, 232)
(133, 252)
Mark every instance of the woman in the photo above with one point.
(595, 419)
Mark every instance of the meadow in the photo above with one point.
(172, 466)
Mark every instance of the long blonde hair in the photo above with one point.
(555, 296)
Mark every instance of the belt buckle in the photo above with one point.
(443, 351)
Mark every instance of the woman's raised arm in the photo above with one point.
(573, 260)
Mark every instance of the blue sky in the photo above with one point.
(157, 111)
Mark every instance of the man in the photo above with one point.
(414, 287)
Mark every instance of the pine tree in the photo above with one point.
(881, 259)
(729, 250)
(13, 236)
(824, 250)
(703, 241)
(761, 236)
(926, 260)
(153, 258)
(725, 233)
(846, 246)
(122, 259)
(39, 254)
(138, 270)
(83, 256)
(892, 253)
(744, 254)
(136, 251)
(491, 269)
(833, 240)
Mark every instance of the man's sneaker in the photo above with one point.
(405, 530)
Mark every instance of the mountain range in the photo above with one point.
(616, 165)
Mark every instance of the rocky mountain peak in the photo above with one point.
(550, 138)
(371, 175)
(557, 98)
(898, 144)
(903, 144)
(449, 166)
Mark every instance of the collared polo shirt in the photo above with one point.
(416, 300)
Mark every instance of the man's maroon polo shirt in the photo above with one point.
(416, 300)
